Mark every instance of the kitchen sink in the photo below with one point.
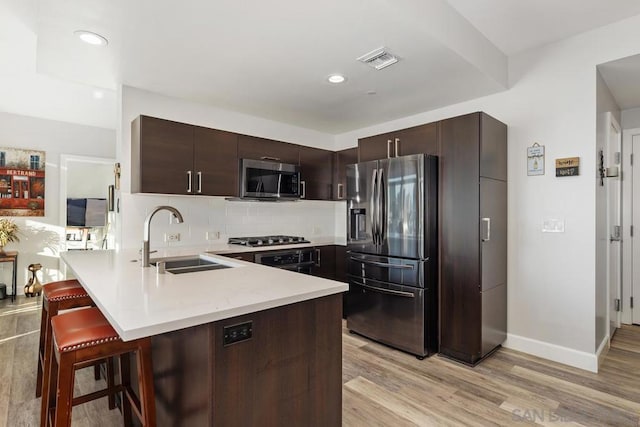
(193, 264)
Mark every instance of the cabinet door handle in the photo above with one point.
(396, 146)
(199, 182)
(304, 189)
(487, 229)
(340, 191)
(317, 257)
(389, 148)
(188, 181)
(275, 159)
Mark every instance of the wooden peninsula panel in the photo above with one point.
(289, 373)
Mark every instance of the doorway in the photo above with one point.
(84, 202)
(613, 187)
(631, 265)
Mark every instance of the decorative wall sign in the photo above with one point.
(569, 166)
(535, 160)
(21, 182)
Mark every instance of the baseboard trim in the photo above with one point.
(603, 349)
(567, 356)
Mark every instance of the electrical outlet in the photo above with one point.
(171, 237)
(213, 235)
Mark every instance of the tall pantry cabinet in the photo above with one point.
(473, 212)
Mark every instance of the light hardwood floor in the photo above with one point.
(384, 387)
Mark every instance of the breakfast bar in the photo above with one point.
(239, 344)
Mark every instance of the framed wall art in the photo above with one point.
(21, 182)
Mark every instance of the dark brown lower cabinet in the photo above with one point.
(341, 263)
(325, 258)
(288, 373)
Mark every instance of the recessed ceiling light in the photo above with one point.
(98, 94)
(91, 38)
(336, 78)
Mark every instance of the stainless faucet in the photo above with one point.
(147, 228)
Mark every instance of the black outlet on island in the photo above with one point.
(237, 333)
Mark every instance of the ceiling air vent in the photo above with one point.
(379, 58)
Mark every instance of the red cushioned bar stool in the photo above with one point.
(62, 295)
(57, 296)
(80, 338)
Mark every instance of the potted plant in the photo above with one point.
(8, 232)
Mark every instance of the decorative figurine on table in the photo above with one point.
(33, 286)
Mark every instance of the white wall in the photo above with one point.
(552, 101)
(605, 103)
(40, 236)
(631, 118)
(88, 179)
(202, 214)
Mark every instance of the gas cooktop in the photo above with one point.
(267, 240)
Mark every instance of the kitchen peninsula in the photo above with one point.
(246, 345)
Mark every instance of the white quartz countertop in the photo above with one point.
(139, 302)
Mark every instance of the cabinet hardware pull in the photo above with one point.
(487, 230)
(275, 159)
(304, 189)
(199, 182)
(388, 148)
(340, 191)
(397, 142)
(317, 257)
(188, 181)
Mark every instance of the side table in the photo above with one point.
(12, 257)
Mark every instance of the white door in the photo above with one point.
(613, 182)
(635, 239)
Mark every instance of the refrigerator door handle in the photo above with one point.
(382, 206)
(486, 232)
(374, 228)
(386, 291)
(382, 264)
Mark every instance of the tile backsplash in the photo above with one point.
(214, 215)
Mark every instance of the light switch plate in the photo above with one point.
(552, 225)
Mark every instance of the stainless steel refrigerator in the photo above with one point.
(392, 265)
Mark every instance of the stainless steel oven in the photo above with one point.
(299, 260)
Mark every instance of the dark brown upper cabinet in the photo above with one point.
(163, 149)
(215, 162)
(415, 140)
(251, 147)
(316, 169)
(177, 158)
(342, 159)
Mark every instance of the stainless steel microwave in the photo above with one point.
(261, 179)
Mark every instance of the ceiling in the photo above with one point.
(271, 59)
(622, 78)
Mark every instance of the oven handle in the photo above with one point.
(386, 291)
(382, 264)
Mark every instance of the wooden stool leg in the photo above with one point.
(47, 373)
(125, 380)
(147, 395)
(96, 371)
(66, 373)
(110, 382)
(44, 320)
(49, 388)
